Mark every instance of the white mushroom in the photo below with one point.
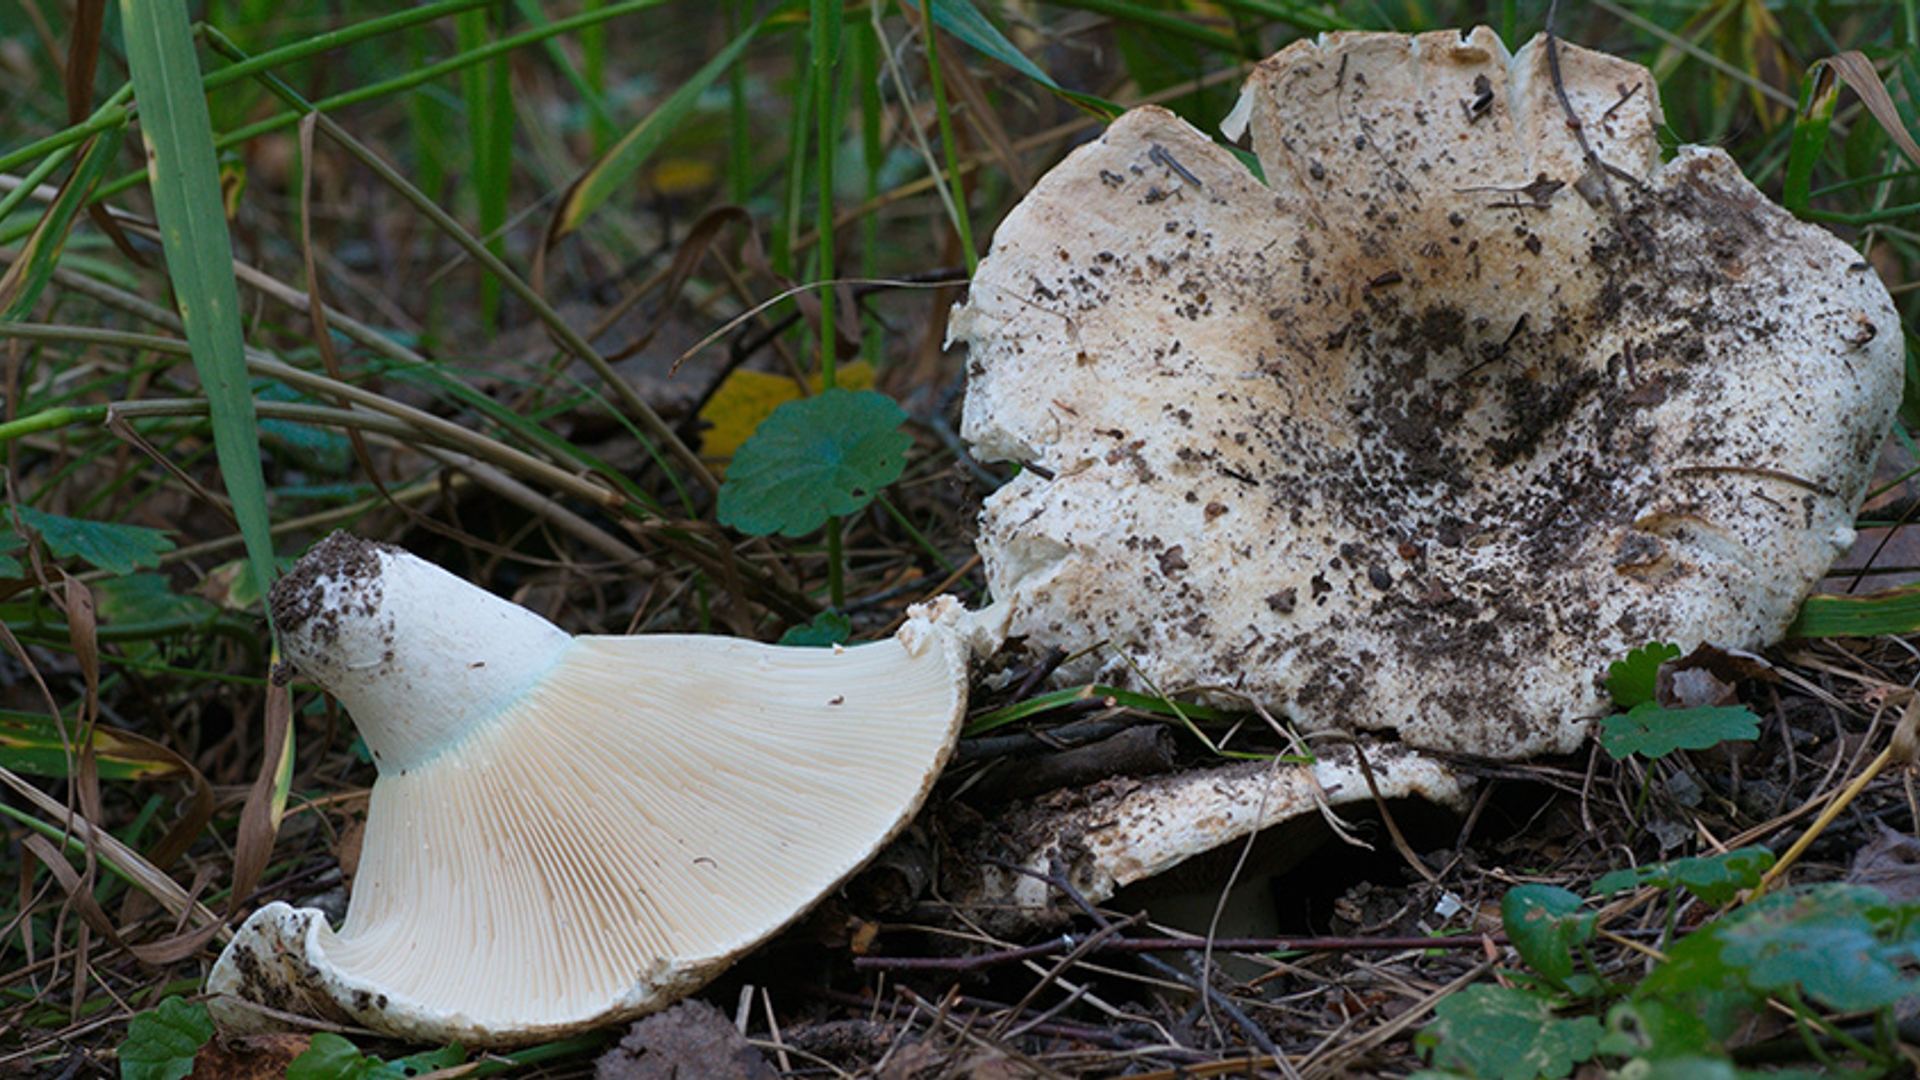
(569, 830)
(1422, 431)
(1127, 830)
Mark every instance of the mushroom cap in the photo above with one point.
(600, 833)
(1421, 432)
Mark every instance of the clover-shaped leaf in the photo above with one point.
(1631, 680)
(814, 459)
(1651, 731)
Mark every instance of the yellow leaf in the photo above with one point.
(748, 397)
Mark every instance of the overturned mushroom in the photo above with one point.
(571, 830)
(1473, 394)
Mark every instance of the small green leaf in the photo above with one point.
(1697, 978)
(1846, 946)
(1651, 731)
(1507, 1033)
(161, 1042)
(313, 449)
(11, 542)
(120, 549)
(147, 598)
(33, 267)
(1713, 878)
(1631, 681)
(1546, 923)
(1686, 1067)
(1654, 1029)
(813, 459)
(827, 628)
(331, 1057)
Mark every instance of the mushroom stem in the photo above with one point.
(418, 656)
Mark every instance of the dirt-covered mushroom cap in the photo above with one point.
(1424, 429)
(568, 830)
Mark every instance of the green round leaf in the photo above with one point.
(814, 459)
(1844, 945)
(162, 1042)
(329, 1057)
(827, 629)
(1546, 923)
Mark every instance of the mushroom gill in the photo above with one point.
(567, 831)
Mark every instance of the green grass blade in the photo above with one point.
(37, 745)
(184, 172)
(488, 93)
(615, 170)
(105, 116)
(1891, 611)
(588, 84)
(21, 287)
(1810, 124)
(943, 114)
(13, 200)
(1043, 703)
(1910, 388)
(1319, 18)
(964, 21)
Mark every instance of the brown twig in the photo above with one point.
(1102, 943)
(1254, 1033)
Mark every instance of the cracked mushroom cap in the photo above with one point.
(1420, 432)
(568, 831)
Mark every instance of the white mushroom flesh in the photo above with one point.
(1420, 433)
(600, 834)
(1128, 830)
